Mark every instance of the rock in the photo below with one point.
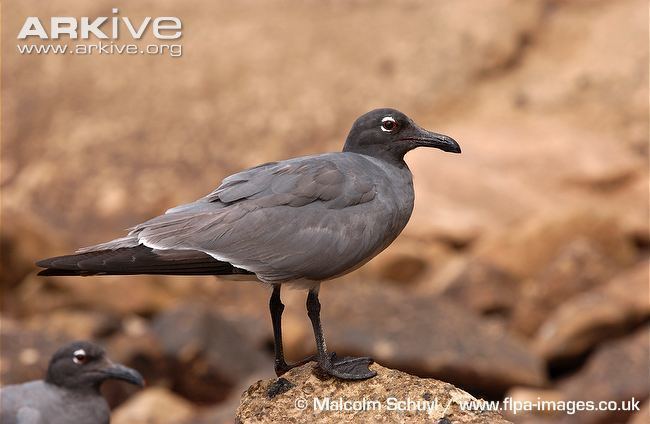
(527, 250)
(245, 304)
(579, 266)
(642, 416)
(411, 261)
(25, 354)
(587, 320)
(154, 405)
(22, 243)
(75, 324)
(574, 88)
(136, 346)
(616, 372)
(424, 335)
(483, 287)
(224, 412)
(119, 295)
(492, 140)
(295, 398)
(403, 268)
(525, 273)
(207, 355)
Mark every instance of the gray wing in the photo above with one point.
(312, 217)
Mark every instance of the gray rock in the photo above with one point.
(207, 356)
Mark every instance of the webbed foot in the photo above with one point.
(348, 368)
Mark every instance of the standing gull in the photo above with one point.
(300, 221)
(70, 391)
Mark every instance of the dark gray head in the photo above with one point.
(84, 366)
(389, 134)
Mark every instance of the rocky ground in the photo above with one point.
(303, 395)
(523, 272)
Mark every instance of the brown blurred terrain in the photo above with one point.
(523, 272)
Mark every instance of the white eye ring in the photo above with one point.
(79, 356)
(392, 126)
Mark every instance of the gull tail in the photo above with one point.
(137, 260)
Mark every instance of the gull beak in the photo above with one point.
(120, 372)
(425, 138)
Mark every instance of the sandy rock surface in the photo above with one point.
(297, 398)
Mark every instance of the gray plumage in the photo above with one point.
(70, 392)
(310, 218)
(39, 402)
(304, 220)
(300, 221)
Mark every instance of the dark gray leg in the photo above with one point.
(344, 368)
(276, 307)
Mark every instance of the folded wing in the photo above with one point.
(282, 221)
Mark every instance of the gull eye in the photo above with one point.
(79, 357)
(388, 124)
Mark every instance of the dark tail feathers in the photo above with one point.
(137, 260)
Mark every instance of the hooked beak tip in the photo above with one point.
(454, 147)
(120, 372)
(426, 138)
(443, 142)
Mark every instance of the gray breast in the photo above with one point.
(38, 402)
(344, 239)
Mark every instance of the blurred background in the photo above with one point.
(523, 272)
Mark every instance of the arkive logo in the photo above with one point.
(103, 27)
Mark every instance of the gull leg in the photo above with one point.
(346, 368)
(276, 307)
